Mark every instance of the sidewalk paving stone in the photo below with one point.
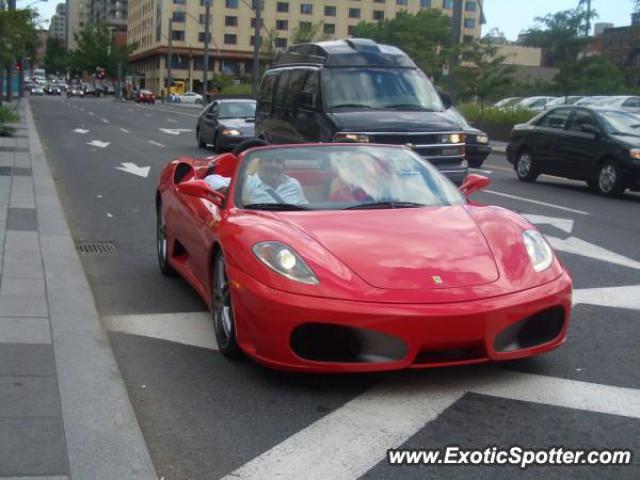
(19, 359)
(29, 397)
(24, 330)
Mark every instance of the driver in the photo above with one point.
(270, 185)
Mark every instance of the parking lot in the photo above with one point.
(203, 416)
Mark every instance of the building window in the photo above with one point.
(469, 23)
(253, 5)
(470, 6)
(201, 37)
(447, 4)
(350, 29)
(230, 38)
(203, 3)
(467, 39)
(329, 28)
(253, 23)
(177, 35)
(402, 2)
(231, 4)
(202, 19)
(230, 21)
(179, 17)
(354, 13)
(180, 2)
(283, 7)
(378, 15)
(378, 1)
(329, 11)
(425, 3)
(306, 8)
(282, 25)
(281, 42)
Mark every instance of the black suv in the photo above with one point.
(357, 90)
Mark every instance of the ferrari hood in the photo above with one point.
(412, 248)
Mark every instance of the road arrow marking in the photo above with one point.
(576, 246)
(156, 143)
(134, 169)
(81, 130)
(174, 131)
(564, 224)
(615, 297)
(124, 130)
(98, 143)
(172, 120)
(91, 113)
(105, 120)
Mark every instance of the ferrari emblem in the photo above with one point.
(437, 280)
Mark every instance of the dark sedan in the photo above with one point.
(598, 145)
(226, 122)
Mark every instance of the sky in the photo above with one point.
(510, 16)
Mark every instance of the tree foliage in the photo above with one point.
(307, 32)
(96, 49)
(18, 35)
(56, 60)
(590, 76)
(424, 36)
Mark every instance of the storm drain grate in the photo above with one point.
(95, 248)
(5, 171)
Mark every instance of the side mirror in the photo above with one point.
(201, 189)
(446, 99)
(474, 183)
(586, 128)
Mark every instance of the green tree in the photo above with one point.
(56, 60)
(483, 73)
(18, 36)
(306, 32)
(96, 49)
(590, 76)
(424, 36)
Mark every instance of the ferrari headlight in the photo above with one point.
(284, 260)
(635, 153)
(232, 132)
(482, 139)
(351, 137)
(538, 249)
(452, 138)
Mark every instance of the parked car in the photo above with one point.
(596, 144)
(625, 102)
(145, 96)
(591, 100)
(225, 122)
(357, 90)
(507, 102)
(356, 257)
(569, 100)
(535, 104)
(75, 90)
(190, 97)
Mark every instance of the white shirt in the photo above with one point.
(217, 181)
(289, 191)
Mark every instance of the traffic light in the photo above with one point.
(18, 67)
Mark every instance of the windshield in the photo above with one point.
(378, 89)
(237, 109)
(340, 177)
(620, 122)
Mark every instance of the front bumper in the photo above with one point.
(228, 141)
(294, 332)
(477, 152)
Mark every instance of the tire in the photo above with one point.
(222, 312)
(201, 143)
(475, 163)
(609, 182)
(162, 245)
(525, 167)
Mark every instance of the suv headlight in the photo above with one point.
(635, 153)
(452, 138)
(282, 259)
(351, 137)
(538, 249)
(482, 139)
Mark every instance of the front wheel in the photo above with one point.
(525, 167)
(222, 311)
(475, 163)
(610, 179)
(201, 143)
(162, 243)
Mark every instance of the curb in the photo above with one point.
(104, 440)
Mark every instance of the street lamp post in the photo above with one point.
(256, 48)
(169, 55)
(205, 72)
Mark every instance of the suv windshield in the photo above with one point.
(340, 177)
(379, 88)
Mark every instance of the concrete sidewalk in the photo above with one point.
(64, 410)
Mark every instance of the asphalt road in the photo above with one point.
(204, 417)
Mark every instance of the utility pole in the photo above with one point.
(256, 47)
(205, 72)
(456, 31)
(588, 18)
(12, 6)
(169, 56)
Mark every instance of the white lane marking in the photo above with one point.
(82, 109)
(172, 120)
(390, 413)
(134, 169)
(174, 131)
(194, 328)
(498, 167)
(616, 297)
(480, 170)
(564, 224)
(537, 202)
(130, 110)
(148, 114)
(91, 113)
(109, 215)
(171, 110)
(156, 143)
(124, 130)
(365, 428)
(99, 196)
(104, 120)
(98, 143)
(81, 131)
(587, 249)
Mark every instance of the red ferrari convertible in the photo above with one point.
(350, 257)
